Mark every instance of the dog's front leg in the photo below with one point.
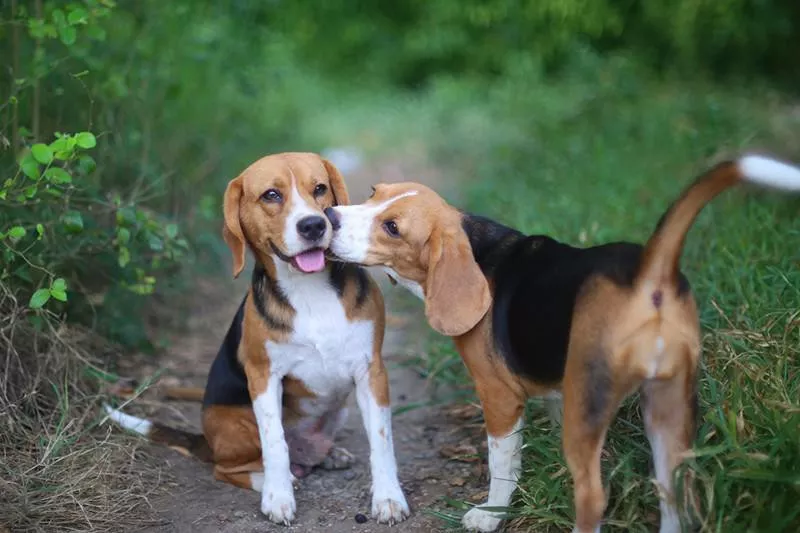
(504, 468)
(372, 394)
(277, 496)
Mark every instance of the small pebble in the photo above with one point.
(360, 519)
(349, 475)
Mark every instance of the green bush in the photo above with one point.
(410, 43)
(116, 127)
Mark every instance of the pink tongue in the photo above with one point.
(310, 261)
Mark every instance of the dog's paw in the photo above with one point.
(595, 530)
(338, 459)
(390, 510)
(278, 505)
(389, 504)
(479, 520)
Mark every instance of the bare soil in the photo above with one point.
(426, 438)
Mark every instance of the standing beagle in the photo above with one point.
(306, 334)
(531, 316)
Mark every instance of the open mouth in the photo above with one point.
(310, 261)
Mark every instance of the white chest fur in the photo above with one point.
(325, 350)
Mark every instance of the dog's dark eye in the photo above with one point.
(391, 228)
(272, 196)
(320, 190)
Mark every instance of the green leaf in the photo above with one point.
(42, 153)
(40, 230)
(73, 221)
(61, 296)
(68, 35)
(61, 146)
(39, 298)
(78, 16)
(57, 176)
(124, 257)
(30, 167)
(141, 289)
(30, 192)
(86, 140)
(58, 17)
(155, 243)
(16, 233)
(59, 284)
(86, 164)
(172, 230)
(3, 195)
(126, 216)
(123, 236)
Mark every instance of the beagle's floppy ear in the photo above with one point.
(232, 229)
(456, 291)
(339, 189)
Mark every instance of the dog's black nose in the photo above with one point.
(333, 216)
(311, 228)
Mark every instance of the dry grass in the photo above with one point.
(58, 470)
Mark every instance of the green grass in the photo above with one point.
(608, 175)
(596, 157)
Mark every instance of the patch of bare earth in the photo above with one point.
(438, 453)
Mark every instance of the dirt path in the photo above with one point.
(326, 501)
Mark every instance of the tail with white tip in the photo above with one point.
(662, 252)
(194, 444)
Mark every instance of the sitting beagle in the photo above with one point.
(305, 335)
(531, 316)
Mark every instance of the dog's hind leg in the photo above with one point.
(670, 414)
(591, 400)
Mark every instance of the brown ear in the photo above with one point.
(339, 189)
(232, 230)
(456, 292)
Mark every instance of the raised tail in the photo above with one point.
(662, 252)
(185, 442)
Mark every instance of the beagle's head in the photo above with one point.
(276, 207)
(412, 232)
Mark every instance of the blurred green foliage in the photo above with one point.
(409, 42)
(161, 98)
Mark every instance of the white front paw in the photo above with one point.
(278, 505)
(479, 520)
(389, 506)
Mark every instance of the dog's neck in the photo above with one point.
(271, 278)
(490, 240)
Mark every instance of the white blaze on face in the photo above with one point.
(305, 259)
(298, 210)
(352, 240)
